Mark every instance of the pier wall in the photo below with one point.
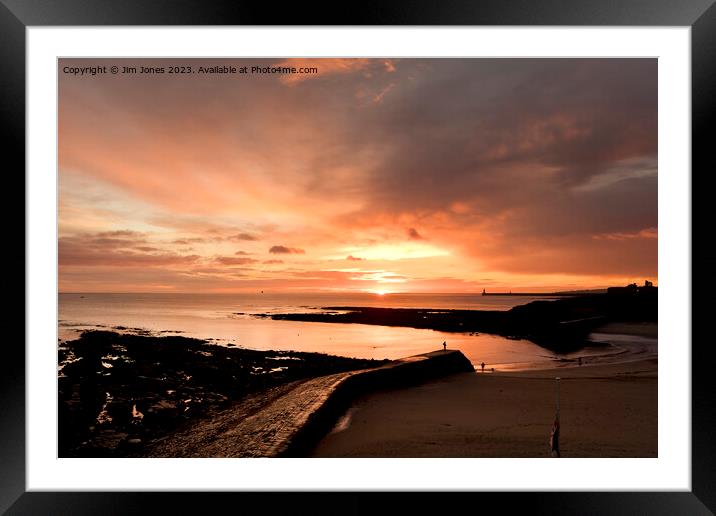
(338, 397)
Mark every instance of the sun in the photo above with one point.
(379, 292)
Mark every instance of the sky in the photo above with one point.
(375, 175)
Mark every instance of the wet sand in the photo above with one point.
(640, 329)
(606, 411)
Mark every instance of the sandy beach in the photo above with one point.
(606, 411)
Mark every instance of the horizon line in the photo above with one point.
(476, 292)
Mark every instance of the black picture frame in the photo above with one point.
(17, 15)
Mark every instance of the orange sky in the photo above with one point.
(448, 175)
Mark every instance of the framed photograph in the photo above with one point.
(445, 250)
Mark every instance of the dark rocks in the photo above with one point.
(157, 384)
(559, 325)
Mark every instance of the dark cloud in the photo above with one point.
(118, 249)
(114, 239)
(538, 151)
(109, 240)
(507, 125)
(241, 253)
(194, 240)
(231, 260)
(242, 237)
(414, 235)
(122, 233)
(354, 258)
(280, 249)
(217, 238)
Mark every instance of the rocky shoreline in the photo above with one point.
(118, 393)
(559, 325)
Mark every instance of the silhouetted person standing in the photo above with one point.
(444, 345)
(554, 437)
(483, 367)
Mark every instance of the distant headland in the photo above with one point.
(561, 324)
(631, 288)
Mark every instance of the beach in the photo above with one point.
(138, 391)
(605, 411)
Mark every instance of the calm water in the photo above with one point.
(226, 318)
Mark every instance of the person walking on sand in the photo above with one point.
(483, 367)
(444, 345)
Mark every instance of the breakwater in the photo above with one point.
(400, 373)
(291, 423)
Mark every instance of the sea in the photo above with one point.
(224, 319)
